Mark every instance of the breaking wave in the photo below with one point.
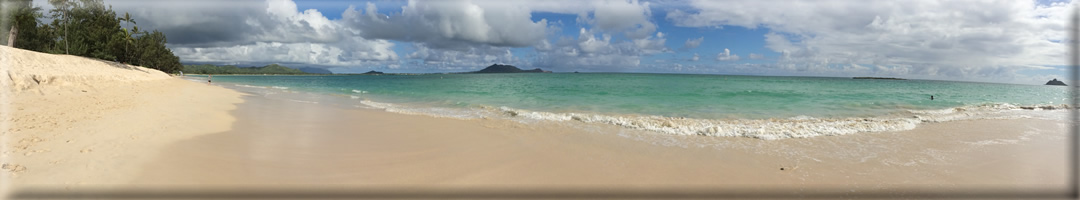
(769, 129)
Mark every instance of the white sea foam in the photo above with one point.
(359, 91)
(799, 127)
(428, 111)
(279, 87)
(302, 101)
(250, 86)
(769, 129)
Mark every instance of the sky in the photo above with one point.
(1007, 41)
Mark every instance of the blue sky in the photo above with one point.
(992, 41)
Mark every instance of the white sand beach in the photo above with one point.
(71, 120)
(74, 122)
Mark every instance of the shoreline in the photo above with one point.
(358, 147)
(77, 121)
(771, 128)
(117, 130)
(100, 136)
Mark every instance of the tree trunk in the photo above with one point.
(14, 33)
(66, 38)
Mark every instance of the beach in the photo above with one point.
(114, 126)
(75, 121)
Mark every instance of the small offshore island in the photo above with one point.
(373, 72)
(1056, 82)
(497, 68)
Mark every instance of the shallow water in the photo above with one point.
(684, 104)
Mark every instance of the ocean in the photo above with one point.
(684, 104)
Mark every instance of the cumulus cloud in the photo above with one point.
(248, 31)
(598, 51)
(473, 58)
(754, 56)
(726, 56)
(693, 43)
(696, 57)
(629, 16)
(450, 24)
(294, 53)
(471, 28)
(956, 38)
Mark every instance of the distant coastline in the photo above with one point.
(272, 69)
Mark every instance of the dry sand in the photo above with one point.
(138, 126)
(318, 145)
(70, 120)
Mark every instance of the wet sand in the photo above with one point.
(111, 126)
(276, 143)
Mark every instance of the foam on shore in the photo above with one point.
(769, 129)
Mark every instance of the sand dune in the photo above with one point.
(73, 120)
(28, 70)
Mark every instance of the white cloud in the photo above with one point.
(696, 57)
(952, 38)
(693, 43)
(754, 56)
(474, 58)
(247, 31)
(726, 56)
(598, 52)
(452, 23)
(361, 52)
(445, 34)
(468, 26)
(629, 16)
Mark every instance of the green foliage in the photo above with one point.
(231, 69)
(89, 28)
(151, 52)
(31, 34)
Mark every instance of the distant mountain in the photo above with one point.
(315, 70)
(232, 69)
(373, 72)
(497, 68)
(1055, 82)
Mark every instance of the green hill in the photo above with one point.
(232, 69)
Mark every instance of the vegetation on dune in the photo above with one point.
(85, 28)
(231, 69)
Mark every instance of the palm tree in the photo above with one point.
(63, 5)
(129, 35)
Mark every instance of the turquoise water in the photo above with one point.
(698, 97)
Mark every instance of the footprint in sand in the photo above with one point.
(789, 168)
(13, 167)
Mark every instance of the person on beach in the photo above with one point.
(209, 79)
(931, 97)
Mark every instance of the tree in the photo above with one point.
(87, 28)
(8, 21)
(128, 36)
(61, 11)
(22, 26)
